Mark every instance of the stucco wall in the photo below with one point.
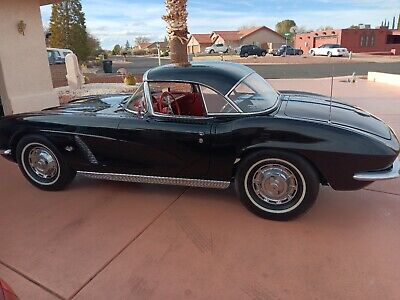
(25, 81)
(261, 37)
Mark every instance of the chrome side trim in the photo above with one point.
(85, 149)
(79, 134)
(214, 184)
(392, 173)
(5, 152)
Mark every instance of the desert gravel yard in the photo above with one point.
(108, 240)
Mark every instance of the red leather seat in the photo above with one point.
(191, 105)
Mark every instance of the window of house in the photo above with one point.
(216, 103)
(362, 41)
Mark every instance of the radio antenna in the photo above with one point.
(331, 98)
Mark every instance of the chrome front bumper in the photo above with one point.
(5, 152)
(392, 173)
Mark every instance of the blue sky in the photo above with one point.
(119, 20)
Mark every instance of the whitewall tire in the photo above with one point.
(276, 185)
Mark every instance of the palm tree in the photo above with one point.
(177, 31)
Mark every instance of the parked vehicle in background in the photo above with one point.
(247, 50)
(287, 50)
(57, 55)
(329, 50)
(64, 53)
(217, 48)
(54, 57)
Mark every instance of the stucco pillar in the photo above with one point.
(25, 80)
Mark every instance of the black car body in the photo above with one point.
(201, 126)
(287, 50)
(247, 50)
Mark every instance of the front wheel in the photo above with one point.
(276, 185)
(42, 164)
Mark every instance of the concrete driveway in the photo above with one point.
(107, 240)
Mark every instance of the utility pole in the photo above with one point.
(159, 54)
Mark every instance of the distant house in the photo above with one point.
(163, 45)
(261, 36)
(378, 40)
(142, 46)
(198, 42)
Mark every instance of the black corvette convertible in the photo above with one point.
(207, 125)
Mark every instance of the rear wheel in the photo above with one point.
(276, 185)
(212, 51)
(42, 164)
(263, 53)
(246, 54)
(312, 53)
(329, 54)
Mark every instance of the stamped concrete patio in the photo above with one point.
(107, 240)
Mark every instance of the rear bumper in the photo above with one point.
(390, 173)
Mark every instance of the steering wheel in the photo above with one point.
(163, 102)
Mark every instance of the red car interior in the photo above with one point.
(182, 103)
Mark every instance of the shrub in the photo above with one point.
(130, 79)
(139, 52)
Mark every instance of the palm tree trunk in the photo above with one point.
(177, 31)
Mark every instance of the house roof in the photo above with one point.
(162, 45)
(237, 35)
(202, 38)
(228, 35)
(144, 45)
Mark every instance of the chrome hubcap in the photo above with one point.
(43, 162)
(275, 184)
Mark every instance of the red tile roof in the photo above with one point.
(228, 35)
(202, 38)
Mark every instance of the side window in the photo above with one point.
(176, 99)
(138, 101)
(215, 103)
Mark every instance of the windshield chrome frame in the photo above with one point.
(125, 106)
(273, 107)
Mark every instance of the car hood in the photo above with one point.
(317, 107)
(91, 104)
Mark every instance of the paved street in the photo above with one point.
(139, 65)
(109, 240)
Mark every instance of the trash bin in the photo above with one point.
(107, 66)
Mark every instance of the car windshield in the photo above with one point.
(254, 94)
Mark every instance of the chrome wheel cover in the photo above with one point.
(43, 162)
(275, 184)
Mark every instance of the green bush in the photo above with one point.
(139, 52)
(153, 51)
(164, 53)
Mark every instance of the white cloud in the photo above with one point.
(118, 21)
